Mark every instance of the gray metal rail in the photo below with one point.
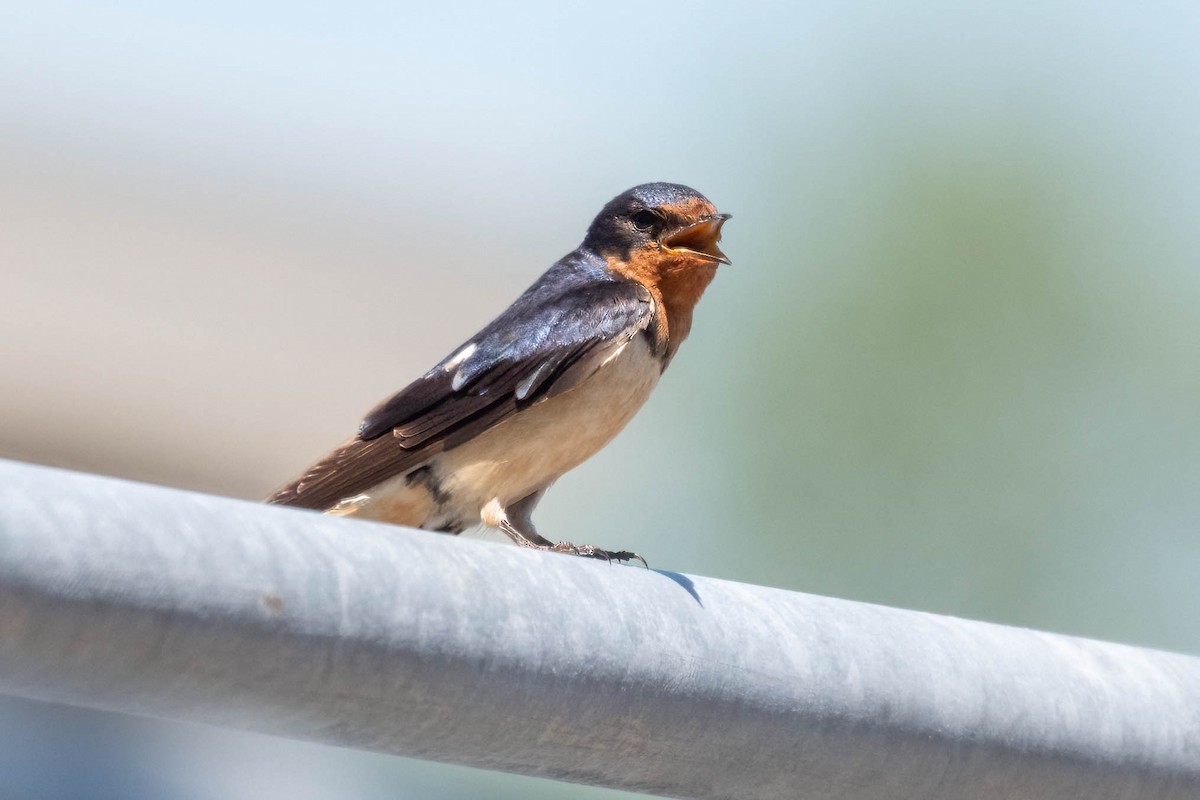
(160, 602)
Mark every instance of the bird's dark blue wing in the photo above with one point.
(551, 338)
(537, 348)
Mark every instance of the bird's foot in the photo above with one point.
(591, 551)
(532, 541)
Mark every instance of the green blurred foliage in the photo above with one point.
(980, 407)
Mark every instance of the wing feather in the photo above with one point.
(553, 337)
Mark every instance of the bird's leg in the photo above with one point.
(517, 523)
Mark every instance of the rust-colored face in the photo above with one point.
(677, 235)
(667, 241)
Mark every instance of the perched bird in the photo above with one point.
(481, 436)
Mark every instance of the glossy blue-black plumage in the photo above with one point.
(565, 318)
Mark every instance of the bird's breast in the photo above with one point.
(529, 450)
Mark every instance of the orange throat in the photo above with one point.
(676, 282)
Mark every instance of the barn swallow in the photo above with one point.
(482, 436)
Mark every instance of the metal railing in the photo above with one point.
(166, 603)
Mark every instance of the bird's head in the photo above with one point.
(664, 236)
(668, 225)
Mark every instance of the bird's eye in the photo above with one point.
(644, 220)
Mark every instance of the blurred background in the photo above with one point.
(955, 365)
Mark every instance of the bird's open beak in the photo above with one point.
(700, 238)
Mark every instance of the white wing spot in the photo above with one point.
(451, 363)
(527, 385)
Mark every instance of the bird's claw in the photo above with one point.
(591, 551)
(585, 550)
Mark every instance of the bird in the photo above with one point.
(479, 438)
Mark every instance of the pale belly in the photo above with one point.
(523, 454)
